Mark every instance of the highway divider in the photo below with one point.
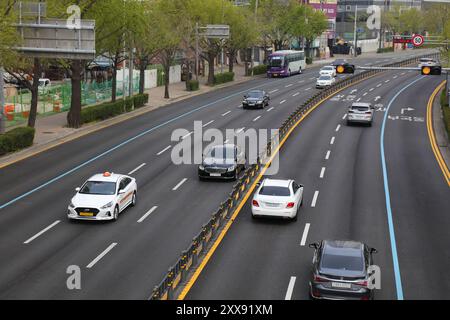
(179, 273)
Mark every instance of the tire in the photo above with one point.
(235, 177)
(295, 217)
(116, 213)
(133, 200)
(300, 70)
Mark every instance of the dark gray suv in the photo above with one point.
(340, 270)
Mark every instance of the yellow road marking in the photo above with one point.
(214, 247)
(432, 137)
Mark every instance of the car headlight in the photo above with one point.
(71, 205)
(108, 205)
(232, 168)
(260, 101)
(201, 167)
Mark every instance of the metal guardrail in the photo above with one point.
(191, 256)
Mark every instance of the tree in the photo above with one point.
(315, 25)
(8, 33)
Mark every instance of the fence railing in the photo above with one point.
(180, 271)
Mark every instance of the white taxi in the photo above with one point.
(103, 197)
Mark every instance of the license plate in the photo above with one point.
(342, 285)
(215, 174)
(86, 214)
(272, 205)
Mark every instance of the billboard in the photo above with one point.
(329, 7)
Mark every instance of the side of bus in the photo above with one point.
(296, 63)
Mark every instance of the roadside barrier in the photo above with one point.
(189, 258)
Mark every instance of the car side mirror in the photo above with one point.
(121, 191)
(245, 96)
(373, 250)
(258, 184)
(314, 245)
(77, 189)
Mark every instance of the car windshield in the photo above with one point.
(342, 262)
(255, 94)
(222, 153)
(275, 191)
(276, 61)
(325, 78)
(99, 187)
(360, 108)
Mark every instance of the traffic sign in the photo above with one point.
(417, 40)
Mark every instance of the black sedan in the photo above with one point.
(341, 270)
(256, 99)
(222, 162)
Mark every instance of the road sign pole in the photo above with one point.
(355, 35)
(196, 51)
(2, 104)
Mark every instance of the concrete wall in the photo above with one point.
(151, 76)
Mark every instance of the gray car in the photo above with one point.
(223, 161)
(340, 270)
(360, 112)
(255, 99)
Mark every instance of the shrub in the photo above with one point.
(309, 60)
(384, 50)
(223, 77)
(444, 101)
(16, 139)
(129, 102)
(192, 85)
(446, 113)
(102, 111)
(140, 100)
(261, 69)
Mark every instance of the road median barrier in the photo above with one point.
(172, 283)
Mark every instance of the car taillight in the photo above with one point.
(362, 283)
(255, 203)
(290, 205)
(319, 279)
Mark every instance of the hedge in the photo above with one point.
(261, 69)
(16, 139)
(192, 85)
(444, 101)
(140, 100)
(384, 50)
(223, 77)
(309, 60)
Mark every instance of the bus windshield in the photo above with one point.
(276, 61)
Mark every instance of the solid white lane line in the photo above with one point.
(101, 255)
(270, 109)
(179, 184)
(289, 85)
(273, 91)
(314, 201)
(133, 171)
(149, 212)
(187, 135)
(283, 101)
(344, 117)
(164, 150)
(332, 140)
(296, 94)
(322, 172)
(328, 155)
(305, 234)
(207, 124)
(224, 114)
(42, 232)
(256, 119)
(338, 127)
(290, 288)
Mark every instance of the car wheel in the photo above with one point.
(133, 201)
(235, 176)
(300, 70)
(116, 213)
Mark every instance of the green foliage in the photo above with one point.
(384, 50)
(446, 112)
(8, 34)
(140, 100)
(16, 139)
(223, 77)
(261, 69)
(309, 60)
(102, 111)
(129, 102)
(444, 102)
(192, 85)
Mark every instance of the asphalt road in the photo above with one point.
(261, 259)
(36, 191)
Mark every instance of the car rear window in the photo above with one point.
(360, 108)
(325, 78)
(341, 262)
(275, 191)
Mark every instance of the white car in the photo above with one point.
(328, 71)
(325, 81)
(360, 112)
(103, 197)
(277, 198)
(427, 62)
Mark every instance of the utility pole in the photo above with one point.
(356, 31)
(253, 48)
(196, 51)
(130, 73)
(2, 103)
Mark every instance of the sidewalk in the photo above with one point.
(52, 130)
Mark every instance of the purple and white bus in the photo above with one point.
(285, 62)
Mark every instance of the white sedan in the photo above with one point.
(325, 81)
(328, 71)
(103, 197)
(277, 198)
